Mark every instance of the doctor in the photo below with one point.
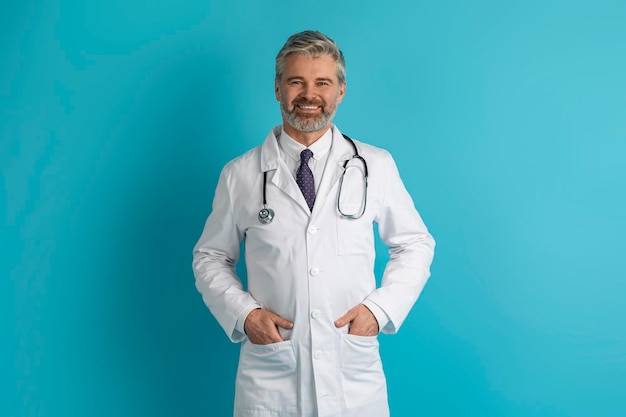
(306, 208)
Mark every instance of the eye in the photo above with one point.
(295, 82)
(323, 83)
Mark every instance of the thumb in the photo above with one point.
(346, 318)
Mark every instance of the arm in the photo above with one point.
(214, 259)
(411, 250)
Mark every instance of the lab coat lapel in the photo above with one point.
(283, 179)
(340, 151)
(278, 173)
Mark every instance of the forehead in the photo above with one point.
(323, 66)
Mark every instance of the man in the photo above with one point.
(310, 316)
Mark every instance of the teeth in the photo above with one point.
(308, 107)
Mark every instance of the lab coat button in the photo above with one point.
(312, 230)
(318, 354)
(316, 314)
(315, 271)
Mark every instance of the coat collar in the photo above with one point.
(270, 152)
(279, 174)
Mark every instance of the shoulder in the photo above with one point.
(379, 162)
(372, 152)
(243, 163)
(240, 173)
(265, 155)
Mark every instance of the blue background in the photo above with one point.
(508, 124)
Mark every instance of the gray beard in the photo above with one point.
(306, 124)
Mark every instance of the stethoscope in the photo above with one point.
(266, 214)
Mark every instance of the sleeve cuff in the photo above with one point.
(381, 317)
(242, 319)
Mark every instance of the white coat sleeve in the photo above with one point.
(411, 250)
(214, 259)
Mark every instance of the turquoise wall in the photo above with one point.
(508, 123)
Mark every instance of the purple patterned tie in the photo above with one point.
(304, 178)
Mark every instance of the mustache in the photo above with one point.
(306, 102)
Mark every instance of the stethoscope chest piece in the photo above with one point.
(266, 215)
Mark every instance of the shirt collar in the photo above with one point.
(293, 148)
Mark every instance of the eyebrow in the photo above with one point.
(297, 77)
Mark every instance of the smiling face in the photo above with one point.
(309, 92)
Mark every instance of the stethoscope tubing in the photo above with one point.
(266, 214)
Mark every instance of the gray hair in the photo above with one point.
(313, 44)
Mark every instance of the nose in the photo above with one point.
(308, 91)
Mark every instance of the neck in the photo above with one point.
(305, 138)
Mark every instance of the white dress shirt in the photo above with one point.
(290, 151)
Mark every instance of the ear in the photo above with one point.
(277, 89)
(342, 92)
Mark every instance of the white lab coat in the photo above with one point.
(310, 268)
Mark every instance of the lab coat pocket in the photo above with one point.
(355, 237)
(266, 378)
(362, 374)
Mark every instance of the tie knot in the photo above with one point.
(305, 155)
